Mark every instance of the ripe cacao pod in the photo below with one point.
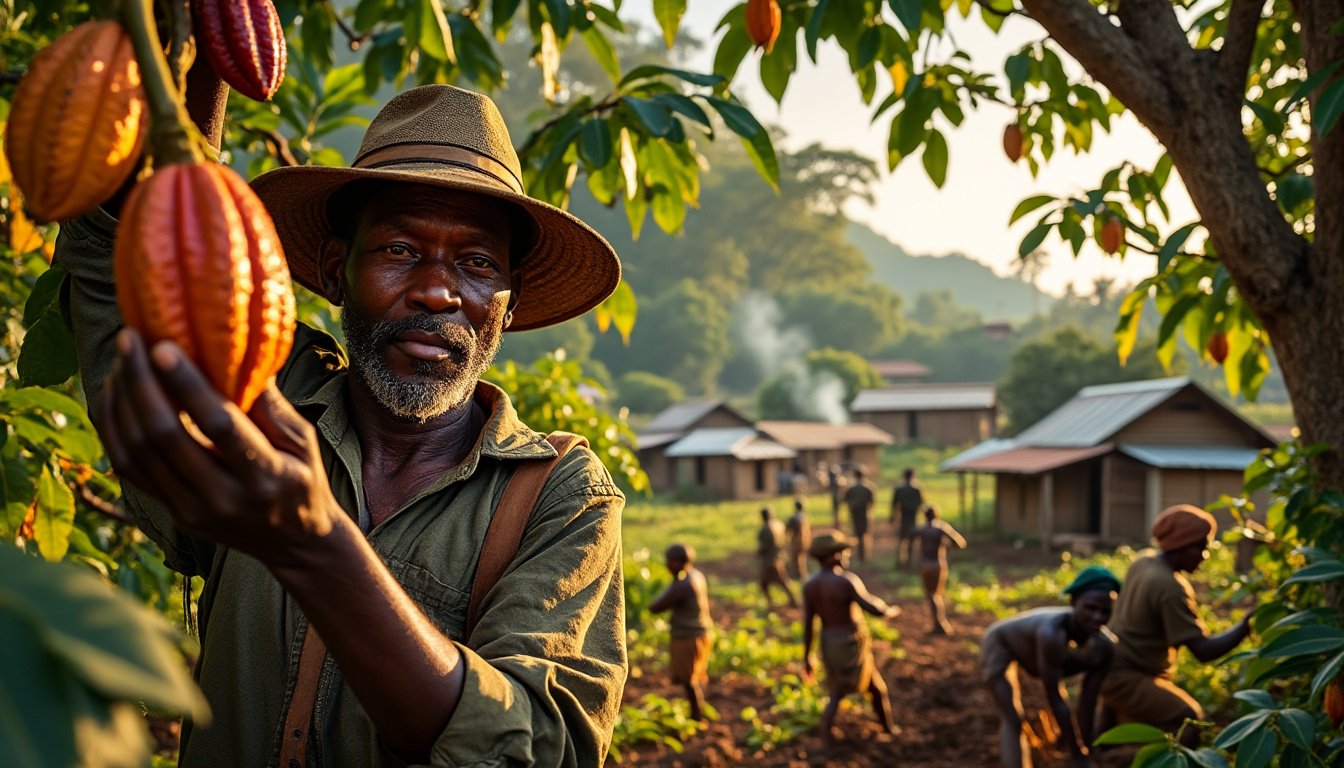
(1334, 702)
(1012, 142)
(1112, 234)
(1218, 347)
(763, 20)
(245, 43)
(77, 122)
(198, 263)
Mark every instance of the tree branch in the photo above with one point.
(1234, 59)
(101, 505)
(355, 40)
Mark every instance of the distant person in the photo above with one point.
(932, 538)
(1052, 644)
(799, 480)
(688, 600)
(1155, 616)
(835, 595)
(769, 550)
(798, 531)
(835, 483)
(906, 501)
(860, 499)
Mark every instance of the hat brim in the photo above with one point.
(570, 269)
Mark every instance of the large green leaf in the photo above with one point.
(603, 52)
(1328, 570)
(595, 143)
(1240, 729)
(47, 356)
(1298, 727)
(669, 13)
(755, 138)
(18, 489)
(35, 724)
(1305, 641)
(1258, 749)
(45, 294)
(935, 158)
(54, 516)
(1132, 733)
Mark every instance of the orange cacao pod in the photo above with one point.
(763, 20)
(198, 263)
(1012, 142)
(245, 44)
(1334, 702)
(1218, 347)
(77, 122)
(1112, 234)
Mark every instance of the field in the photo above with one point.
(766, 715)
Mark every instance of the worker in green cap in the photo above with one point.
(1052, 644)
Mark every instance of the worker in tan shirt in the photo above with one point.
(688, 600)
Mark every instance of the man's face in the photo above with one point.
(1093, 609)
(1190, 557)
(428, 289)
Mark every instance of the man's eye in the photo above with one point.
(396, 249)
(480, 262)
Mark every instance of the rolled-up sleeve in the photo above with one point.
(543, 685)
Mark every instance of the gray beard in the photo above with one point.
(437, 386)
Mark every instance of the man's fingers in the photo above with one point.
(135, 455)
(283, 426)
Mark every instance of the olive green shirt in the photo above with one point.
(1155, 614)
(545, 665)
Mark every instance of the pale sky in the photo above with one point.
(970, 213)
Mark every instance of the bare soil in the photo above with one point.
(945, 714)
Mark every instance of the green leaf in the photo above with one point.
(647, 71)
(1292, 190)
(1273, 121)
(1298, 727)
(1305, 641)
(435, 39)
(777, 66)
(669, 13)
(732, 50)
(45, 296)
(501, 13)
(655, 117)
(1170, 758)
(603, 53)
(595, 143)
(1018, 69)
(813, 32)
(36, 726)
(1033, 239)
(1029, 205)
(47, 356)
(1308, 85)
(755, 138)
(1240, 729)
(1132, 733)
(1256, 698)
(1171, 319)
(1329, 671)
(558, 10)
(935, 158)
(1258, 749)
(1328, 108)
(619, 309)
(1173, 245)
(908, 12)
(685, 106)
(55, 516)
(1207, 758)
(1328, 570)
(1127, 329)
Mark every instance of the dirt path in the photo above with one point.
(944, 712)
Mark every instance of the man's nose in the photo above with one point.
(435, 287)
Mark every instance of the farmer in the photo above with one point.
(769, 550)
(1052, 644)
(835, 595)
(340, 523)
(799, 534)
(688, 600)
(859, 498)
(933, 537)
(833, 479)
(906, 501)
(1156, 615)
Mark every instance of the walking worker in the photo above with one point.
(906, 501)
(860, 498)
(836, 596)
(397, 570)
(688, 600)
(1052, 644)
(1157, 614)
(932, 539)
(799, 533)
(769, 551)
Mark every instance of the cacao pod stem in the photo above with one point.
(170, 137)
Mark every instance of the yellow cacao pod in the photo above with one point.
(77, 122)
(198, 263)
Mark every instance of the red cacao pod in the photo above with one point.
(245, 44)
(763, 20)
(1218, 347)
(1112, 234)
(198, 263)
(1012, 142)
(1334, 702)
(77, 122)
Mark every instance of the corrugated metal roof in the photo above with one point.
(983, 448)
(1096, 413)
(1030, 460)
(925, 397)
(1192, 456)
(819, 435)
(656, 439)
(899, 369)
(682, 416)
(740, 442)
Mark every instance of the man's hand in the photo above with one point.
(257, 485)
(807, 668)
(892, 611)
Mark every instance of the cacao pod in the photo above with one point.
(1218, 347)
(1334, 702)
(1112, 234)
(77, 122)
(763, 20)
(198, 263)
(245, 44)
(1012, 142)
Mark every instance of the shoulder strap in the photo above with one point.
(502, 539)
(505, 533)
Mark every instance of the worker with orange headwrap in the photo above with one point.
(1156, 615)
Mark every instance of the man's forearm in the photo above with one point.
(406, 674)
(1069, 736)
(1213, 647)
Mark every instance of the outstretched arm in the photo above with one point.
(1051, 644)
(1212, 647)
(951, 534)
(671, 597)
(869, 602)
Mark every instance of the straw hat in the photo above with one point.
(828, 543)
(449, 137)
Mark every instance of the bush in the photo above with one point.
(644, 392)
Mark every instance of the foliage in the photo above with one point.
(850, 368)
(796, 710)
(820, 387)
(655, 719)
(644, 392)
(547, 397)
(683, 335)
(80, 663)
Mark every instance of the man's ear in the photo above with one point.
(331, 263)
(515, 290)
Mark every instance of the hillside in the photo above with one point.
(973, 284)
